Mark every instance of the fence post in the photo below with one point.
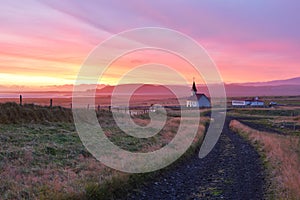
(21, 100)
(51, 101)
(88, 106)
(98, 108)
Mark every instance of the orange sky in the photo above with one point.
(45, 43)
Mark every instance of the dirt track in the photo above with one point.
(232, 170)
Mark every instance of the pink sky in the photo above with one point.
(45, 42)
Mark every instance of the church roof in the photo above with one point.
(196, 96)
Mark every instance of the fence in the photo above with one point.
(67, 103)
(132, 110)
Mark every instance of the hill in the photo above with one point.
(291, 81)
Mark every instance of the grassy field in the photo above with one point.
(282, 120)
(42, 157)
(281, 100)
(275, 133)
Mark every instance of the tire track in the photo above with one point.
(232, 170)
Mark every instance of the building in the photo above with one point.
(255, 102)
(238, 103)
(197, 100)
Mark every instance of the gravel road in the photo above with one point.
(232, 170)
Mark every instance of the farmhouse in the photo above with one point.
(255, 102)
(197, 100)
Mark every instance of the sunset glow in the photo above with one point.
(46, 42)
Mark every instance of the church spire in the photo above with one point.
(194, 88)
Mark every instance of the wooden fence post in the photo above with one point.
(21, 100)
(51, 102)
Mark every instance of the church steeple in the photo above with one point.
(194, 88)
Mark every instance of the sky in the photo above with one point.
(46, 42)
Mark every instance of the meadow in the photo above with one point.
(275, 132)
(42, 157)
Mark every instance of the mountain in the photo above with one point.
(292, 81)
(234, 90)
(145, 89)
(288, 87)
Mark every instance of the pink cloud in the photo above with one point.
(248, 40)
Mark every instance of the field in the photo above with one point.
(275, 132)
(102, 100)
(42, 157)
(281, 120)
(289, 101)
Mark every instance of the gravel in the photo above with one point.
(232, 170)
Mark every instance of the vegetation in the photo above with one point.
(42, 157)
(268, 112)
(275, 132)
(29, 113)
(282, 158)
(282, 120)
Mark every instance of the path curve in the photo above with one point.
(232, 170)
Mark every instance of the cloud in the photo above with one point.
(253, 39)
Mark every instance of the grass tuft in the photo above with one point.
(280, 154)
(13, 113)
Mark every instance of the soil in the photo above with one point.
(232, 170)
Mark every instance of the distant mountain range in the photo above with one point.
(278, 90)
(292, 81)
(288, 87)
(145, 89)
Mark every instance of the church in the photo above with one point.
(197, 100)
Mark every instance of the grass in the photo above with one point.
(281, 100)
(12, 112)
(39, 160)
(269, 112)
(119, 186)
(42, 157)
(283, 120)
(281, 153)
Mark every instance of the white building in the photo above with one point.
(243, 103)
(197, 100)
(238, 103)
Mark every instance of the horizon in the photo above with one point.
(289, 87)
(246, 45)
(85, 87)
